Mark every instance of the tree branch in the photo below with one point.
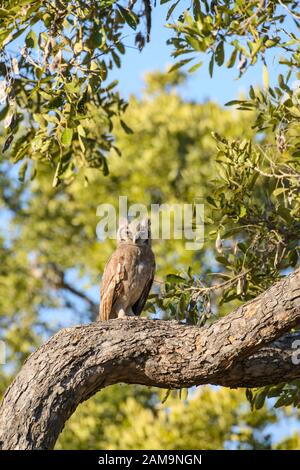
(273, 364)
(77, 362)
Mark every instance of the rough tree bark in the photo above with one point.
(241, 349)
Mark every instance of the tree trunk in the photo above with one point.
(238, 350)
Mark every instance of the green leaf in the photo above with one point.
(293, 258)
(105, 167)
(171, 9)
(116, 58)
(284, 400)
(81, 131)
(168, 391)
(275, 391)
(220, 55)
(249, 394)
(179, 64)
(265, 77)
(281, 81)
(130, 17)
(252, 93)
(211, 201)
(31, 39)
(285, 214)
(127, 129)
(182, 304)
(232, 59)
(56, 179)
(195, 67)
(279, 191)
(112, 85)
(174, 278)
(66, 137)
(223, 260)
(22, 171)
(211, 65)
(260, 400)
(243, 211)
(233, 102)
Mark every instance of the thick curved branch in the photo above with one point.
(273, 364)
(77, 362)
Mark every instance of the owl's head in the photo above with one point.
(124, 233)
(141, 232)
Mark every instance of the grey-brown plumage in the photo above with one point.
(129, 273)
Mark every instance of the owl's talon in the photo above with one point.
(122, 314)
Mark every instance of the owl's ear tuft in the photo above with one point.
(145, 223)
(145, 226)
(142, 232)
(123, 231)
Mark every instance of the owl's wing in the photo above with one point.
(140, 304)
(112, 285)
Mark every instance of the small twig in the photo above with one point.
(290, 11)
(222, 285)
(131, 4)
(248, 21)
(274, 175)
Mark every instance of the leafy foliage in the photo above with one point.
(55, 63)
(285, 394)
(63, 118)
(242, 32)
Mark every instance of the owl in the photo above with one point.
(129, 272)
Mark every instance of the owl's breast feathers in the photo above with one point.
(127, 280)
